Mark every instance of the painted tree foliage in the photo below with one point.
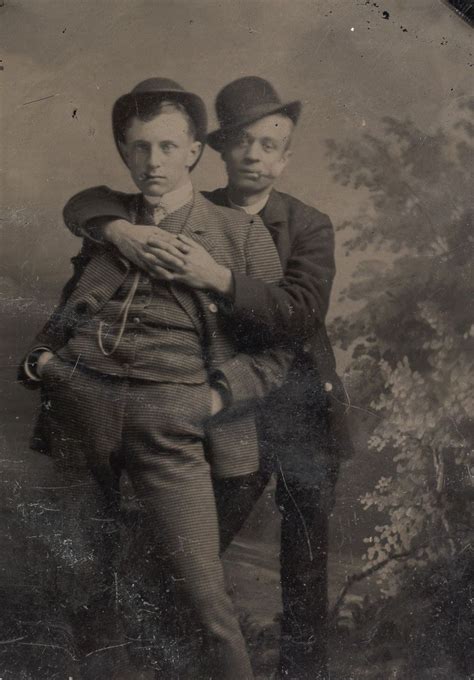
(411, 336)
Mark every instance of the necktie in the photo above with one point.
(159, 213)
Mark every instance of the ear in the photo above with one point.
(193, 153)
(281, 164)
(286, 156)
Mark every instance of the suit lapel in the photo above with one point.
(197, 227)
(200, 223)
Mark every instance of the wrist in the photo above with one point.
(223, 283)
(114, 230)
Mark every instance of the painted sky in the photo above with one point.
(66, 61)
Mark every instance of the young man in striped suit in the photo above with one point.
(141, 375)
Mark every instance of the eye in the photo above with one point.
(140, 146)
(241, 140)
(268, 145)
(168, 146)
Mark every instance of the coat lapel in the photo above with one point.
(275, 218)
(200, 223)
(197, 227)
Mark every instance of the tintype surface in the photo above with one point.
(384, 147)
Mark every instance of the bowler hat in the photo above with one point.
(244, 101)
(158, 89)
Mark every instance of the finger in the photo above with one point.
(158, 272)
(146, 262)
(183, 247)
(186, 240)
(158, 232)
(164, 259)
(139, 261)
(172, 248)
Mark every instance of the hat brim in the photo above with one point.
(217, 138)
(193, 104)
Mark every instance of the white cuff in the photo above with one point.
(26, 363)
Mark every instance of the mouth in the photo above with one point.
(250, 174)
(153, 178)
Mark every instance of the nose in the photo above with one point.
(252, 152)
(154, 157)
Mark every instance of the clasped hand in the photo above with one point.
(179, 258)
(170, 258)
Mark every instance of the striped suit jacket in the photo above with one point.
(293, 312)
(237, 241)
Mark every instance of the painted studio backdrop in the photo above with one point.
(384, 147)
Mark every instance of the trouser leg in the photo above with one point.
(163, 438)
(303, 564)
(84, 542)
(87, 572)
(235, 500)
(303, 560)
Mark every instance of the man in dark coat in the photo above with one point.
(302, 430)
(142, 376)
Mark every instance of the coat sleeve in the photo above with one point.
(82, 210)
(251, 378)
(51, 337)
(297, 307)
(252, 375)
(54, 333)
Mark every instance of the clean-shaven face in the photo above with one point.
(159, 152)
(257, 154)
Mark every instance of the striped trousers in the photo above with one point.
(98, 427)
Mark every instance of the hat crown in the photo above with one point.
(244, 95)
(157, 85)
(245, 101)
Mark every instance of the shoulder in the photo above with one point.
(218, 196)
(228, 217)
(296, 210)
(105, 192)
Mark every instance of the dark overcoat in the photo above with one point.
(294, 312)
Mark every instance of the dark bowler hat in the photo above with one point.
(158, 89)
(244, 101)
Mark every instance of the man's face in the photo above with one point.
(256, 156)
(159, 152)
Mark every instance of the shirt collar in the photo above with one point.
(173, 200)
(253, 209)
